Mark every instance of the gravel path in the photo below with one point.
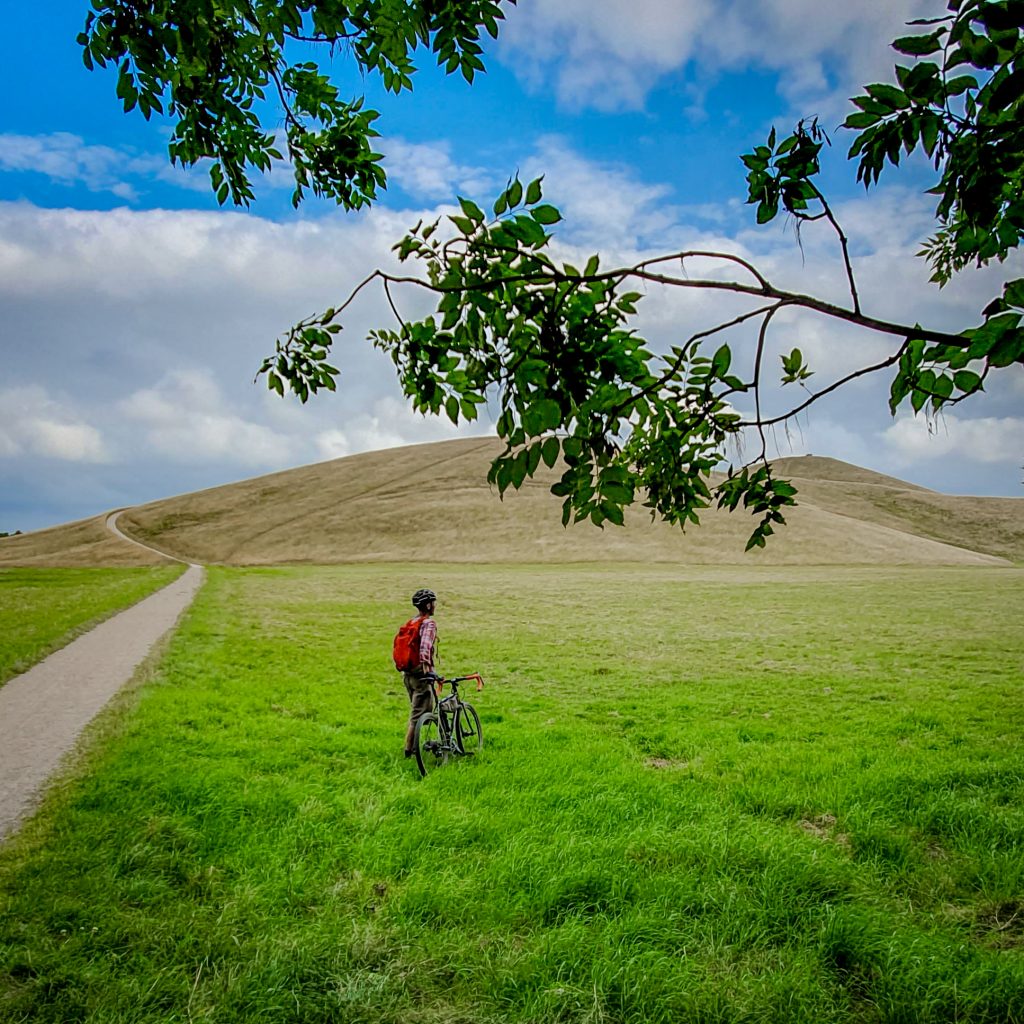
(44, 710)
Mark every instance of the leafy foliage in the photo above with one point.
(209, 65)
(551, 343)
(969, 124)
(972, 127)
(556, 346)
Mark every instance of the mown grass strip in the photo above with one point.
(42, 610)
(705, 795)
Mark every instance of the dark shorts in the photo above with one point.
(421, 694)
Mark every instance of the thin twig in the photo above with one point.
(391, 303)
(762, 336)
(692, 253)
(844, 244)
(677, 363)
(824, 391)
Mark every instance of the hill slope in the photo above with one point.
(82, 543)
(432, 503)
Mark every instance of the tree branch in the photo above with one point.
(863, 371)
(843, 242)
(762, 336)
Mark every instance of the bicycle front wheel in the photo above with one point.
(431, 746)
(468, 734)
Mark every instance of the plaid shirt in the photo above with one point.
(428, 644)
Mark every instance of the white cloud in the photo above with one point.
(185, 420)
(390, 424)
(35, 424)
(986, 439)
(602, 203)
(152, 323)
(427, 170)
(608, 55)
(68, 159)
(75, 442)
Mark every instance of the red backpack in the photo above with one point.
(406, 648)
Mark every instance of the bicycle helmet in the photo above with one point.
(423, 596)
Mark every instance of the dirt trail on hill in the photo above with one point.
(44, 710)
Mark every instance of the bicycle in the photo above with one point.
(451, 729)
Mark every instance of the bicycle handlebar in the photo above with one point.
(460, 679)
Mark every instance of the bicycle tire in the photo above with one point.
(469, 736)
(431, 748)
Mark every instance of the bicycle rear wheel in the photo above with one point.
(431, 746)
(469, 736)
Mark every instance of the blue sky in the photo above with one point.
(134, 311)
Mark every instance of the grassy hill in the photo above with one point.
(432, 503)
(82, 543)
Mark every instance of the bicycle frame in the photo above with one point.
(454, 720)
(450, 708)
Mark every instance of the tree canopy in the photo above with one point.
(557, 346)
(212, 65)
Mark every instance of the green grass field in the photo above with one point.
(43, 609)
(705, 795)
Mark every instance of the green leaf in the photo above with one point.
(549, 451)
(861, 120)
(889, 95)
(960, 84)
(1009, 349)
(613, 513)
(721, 361)
(533, 192)
(546, 214)
(943, 386)
(518, 473)
(1008, 92)
(967, 381)
(471, 210)
(917, 46)
(930, 125)
(1013, 293)
(621, 494)
(543, 415)
(573, 447)
(756, 540)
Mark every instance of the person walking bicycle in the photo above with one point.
(415, 649)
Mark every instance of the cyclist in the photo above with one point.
(419, 681)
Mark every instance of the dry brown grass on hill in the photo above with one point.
(432, 503)
(82, 543)
(994, 526)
